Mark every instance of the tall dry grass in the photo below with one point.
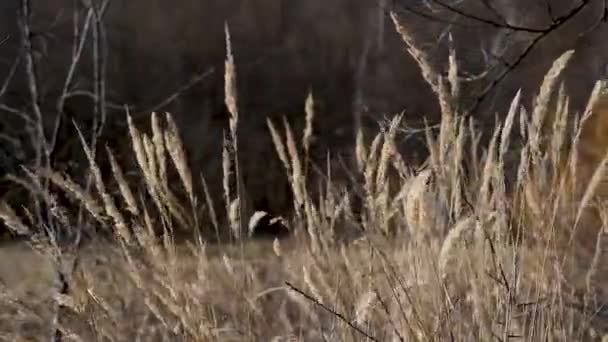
(496, 242)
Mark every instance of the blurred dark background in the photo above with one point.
(168, 56)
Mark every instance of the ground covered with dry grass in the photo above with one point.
(499, 240)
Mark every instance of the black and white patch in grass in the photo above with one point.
(264, 225)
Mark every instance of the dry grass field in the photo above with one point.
(497, 241)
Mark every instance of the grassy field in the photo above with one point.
(496, 241)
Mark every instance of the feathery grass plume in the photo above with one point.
(456, 177)
(152, 244)
(541, 102)
(585, 128)
(360, 150)
(474, 141)
(447, 125)
(559, 128)
(76, 192)
(523, 168)
(158, 140)
(453, 70)
(312, 221)
(387, 151)
(152, 177)
(371, 164)
(297, 182)
(125, 190)
(227, 175)
(277, 141)
(12, 220)
(230, 89)
(231, 101)
(164, 197)
(594, 265)
(485, 194)
(500, 190)
(108, 202)
(450, 243)
(226, 171)
(138, 147)
(210, 206)
(399, 163)
(445, 162)
(598, 176)
(573, 156)
(177, 152)
(419, 56)
(234, 217)
(524, 123)
(505, 136)
(588, 128)
(309, 108)
(599, 89)
(171, 202)
(417, 206)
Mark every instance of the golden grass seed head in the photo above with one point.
(177, 152)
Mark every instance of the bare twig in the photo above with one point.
(80, 38)
(494, 10)
(487, 21)
(76, 55)
(5, 39)
(11, 74)
(177, 93)
(32, 76)
(18, 112)
(331, 311)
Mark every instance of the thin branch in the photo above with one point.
(11, 74)
(487, 21)
(31, 74)
(4, 40)
(80, 37)
(331, 311)
(194, 81)
(78, 48)
(554, 26)
(21, 114)
(99, 67)
(541, 34)
(506, 72)
(413, 9)
(92, 96)
(494, 11)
